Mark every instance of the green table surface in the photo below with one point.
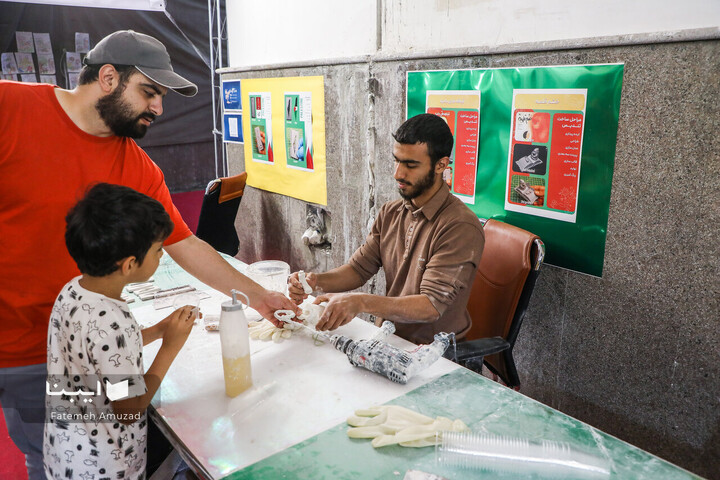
(484, 406)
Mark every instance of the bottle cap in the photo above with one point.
(234, 305)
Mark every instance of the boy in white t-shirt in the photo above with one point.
(97, 391)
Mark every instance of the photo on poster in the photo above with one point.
(532, 126)
(298, 130)
(28, 78)
(73, 78)
(9, 65)
(544, 156)
(25, 63)
(82, 42)
(461, 110)
(46, 63)
(51, 79)
(42, 43)
(25, 42)
(288, 109)
(74, 61)
(295, 143)
(527, 190)
(259, 140)
(529, 159)
(260, 135)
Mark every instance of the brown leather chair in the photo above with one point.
(216, 224)
(500, 295)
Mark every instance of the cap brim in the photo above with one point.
(171, 80)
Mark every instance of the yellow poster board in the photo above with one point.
(284, 131)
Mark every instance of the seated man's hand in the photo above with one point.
(340, 309)
(272, 301)
(295, 288)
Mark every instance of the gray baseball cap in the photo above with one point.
(145, 53)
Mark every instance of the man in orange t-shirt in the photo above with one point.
(54, 144)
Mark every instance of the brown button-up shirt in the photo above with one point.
(433, 250)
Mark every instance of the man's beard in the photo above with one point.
(119, 117)
(420, 187)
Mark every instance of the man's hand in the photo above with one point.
(295, 289)
(340, 309)
(267, 304)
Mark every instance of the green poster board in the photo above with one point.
(546, 150)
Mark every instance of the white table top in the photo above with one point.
(300, 389)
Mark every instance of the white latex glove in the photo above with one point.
(392, 424)
(264, 330)
(421, 435)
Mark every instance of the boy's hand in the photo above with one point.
(161, 326)
(178, 327)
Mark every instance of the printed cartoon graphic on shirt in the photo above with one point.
(94, 358)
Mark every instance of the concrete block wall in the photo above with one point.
(635, 353)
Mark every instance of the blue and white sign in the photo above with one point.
(231, 95)
(232, 128)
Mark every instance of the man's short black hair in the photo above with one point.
(90, 73)
(429, 129)
(113, 222)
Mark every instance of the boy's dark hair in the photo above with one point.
(90, 73)
(429, 129)
(111, 223)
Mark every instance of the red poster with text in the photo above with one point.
(565, 160)
(466, 154)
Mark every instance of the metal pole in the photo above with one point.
(218, 15)
(212, 83)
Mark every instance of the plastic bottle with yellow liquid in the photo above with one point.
(235, 345)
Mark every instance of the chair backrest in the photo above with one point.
(502, 289)
(216, 224)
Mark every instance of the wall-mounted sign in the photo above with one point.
(545, 149)
(286, 123)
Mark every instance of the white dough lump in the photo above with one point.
(392, 424)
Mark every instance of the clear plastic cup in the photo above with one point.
(271, 274)
(191, 299)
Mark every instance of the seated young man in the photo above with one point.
(428, 243)
(97, 391)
